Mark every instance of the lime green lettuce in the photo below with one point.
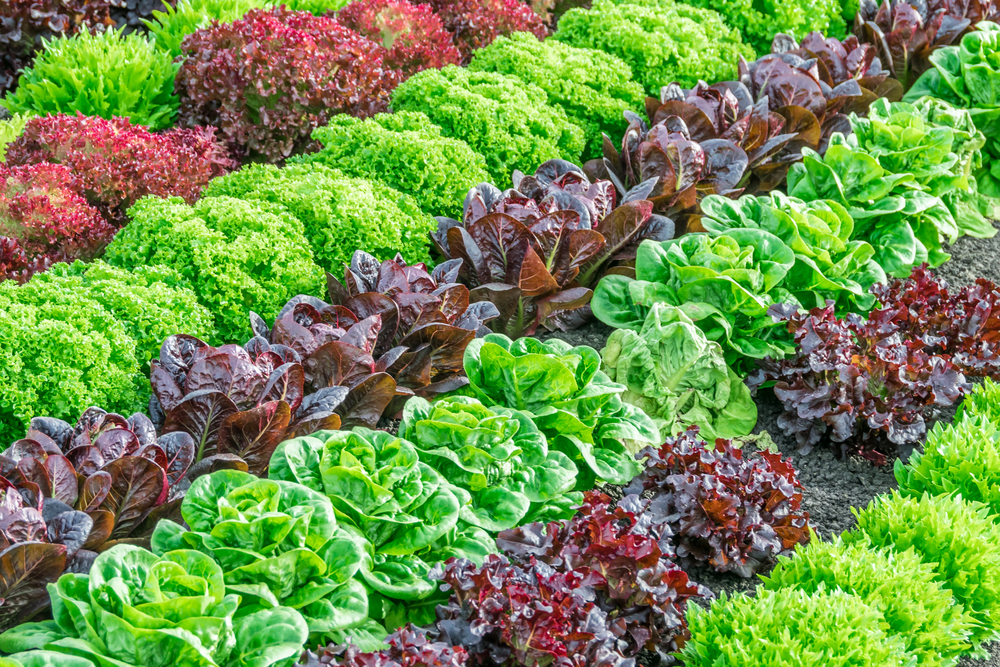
(956, 537)
(791, 627)
(759, 22)
(576, 406)
(10, 129)
(238, 256)
(136, 609)
(724, 283)
(678, 377)
(170, 26)
(661, 40)
(500, 462)
(278, 544)
(507, 121)
(915, 605)
(984, 401)
(104, 74)
(338, 213)
(591, 86)
(82, 335)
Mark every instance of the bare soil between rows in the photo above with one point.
(833, 486)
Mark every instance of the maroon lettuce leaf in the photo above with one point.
(406, 647)
(737, 514)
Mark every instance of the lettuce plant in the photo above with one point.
(508, 121)
(81, 336)
(413, 35)
(247, 78)
(574, 404)
(678, 377)
(40, 540)
(496, 456)
(737, 514)
(44, 219)
(983, 401)
(474, 24)
(591, 86)
(405, 151)
(511, 614)
(831, 629)
(278, 544)
(405, 647)
(135, 608)
(828, 264)
(723, 283)
(117, 163)
(662, 41)
(759, 23)
(338, 213)
(407, 511)
(104, 74)
(172, 23)
(955, 537)
(915, 605)
(236, 255)
(962, 458)
(10, 129)
(628, 554)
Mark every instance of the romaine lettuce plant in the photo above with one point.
(984, 401)
(678, 377)
(915, 604)
(574, 404)
(628, 554)
(499, 460)
(736, 513)
(114, 469)
(278, 544)
(828, 264)
(724, 283)
(135, 608)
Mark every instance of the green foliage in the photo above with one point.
(791, 627)
(916, 606)
(278, 544)
(984, 401)
(83, 335)
(135, 608)
(317, 7)
(501, 463)
(238, 256)
(828, 264)
(724, 283)
(407, 152)
(576, 406)
(338, 213)
(677, 376)
(661, 40)
(962, 458)
(11, 129)
(170, 26)
(591, 86)
(759, 22)
(506, 120)
(100, 74)
(954, 536)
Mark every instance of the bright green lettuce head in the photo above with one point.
(278, 544)
(576, 406)
(984, 401)
(495, 455)
(680, 378)
(138, 609)
(725, 283)
(916, 606)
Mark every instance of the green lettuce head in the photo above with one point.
(679, 377)
(575, 405)
(497, 458)
(278, 544)
(138, 609)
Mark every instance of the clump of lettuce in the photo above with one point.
(278, 544)
(724, 283)
(498, 459)
(680, 378)
(578, 408)
(136, 608)
(828, 264)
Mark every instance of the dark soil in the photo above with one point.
(832, 485)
